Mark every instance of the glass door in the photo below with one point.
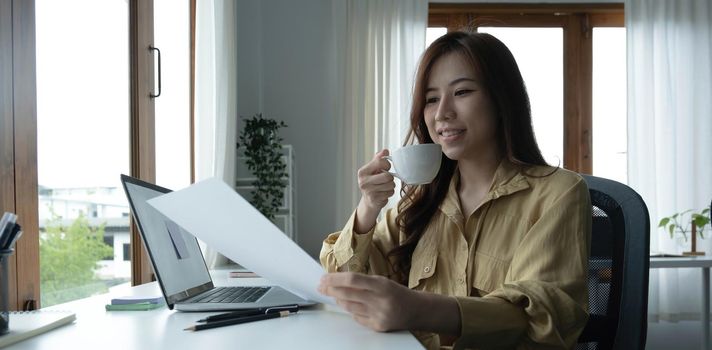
(83, 108)
(172, 38)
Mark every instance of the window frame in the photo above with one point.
(18, 135)
(18, 146)
(577, 22)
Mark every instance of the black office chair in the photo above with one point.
(618, 268)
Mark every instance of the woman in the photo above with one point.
(494, 252)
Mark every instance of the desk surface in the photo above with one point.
(680, 262)
(95, 328)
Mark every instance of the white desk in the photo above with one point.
(318, 328)
(703, 262)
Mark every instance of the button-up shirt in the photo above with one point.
(517, 265)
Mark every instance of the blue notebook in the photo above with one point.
(137, 300)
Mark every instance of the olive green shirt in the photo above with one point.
(517, 265)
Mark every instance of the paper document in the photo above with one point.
(216, 214)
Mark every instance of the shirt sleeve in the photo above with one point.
(545, 297)
(366, 253)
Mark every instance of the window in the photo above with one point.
(63, 181)
(109, 242)
(610, 147)
(575, 74)
(127, 252)
(539, 55)
(172, 32)
(433, 33)
(83, 109)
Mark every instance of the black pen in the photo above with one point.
(16, 235)
(230, 322)
(7, 224)
(250, 312)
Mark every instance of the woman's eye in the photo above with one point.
(462, 92)
(430, 100)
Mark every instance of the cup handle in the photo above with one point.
(390, 159)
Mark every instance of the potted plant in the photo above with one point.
(695, 223)
(263, 150)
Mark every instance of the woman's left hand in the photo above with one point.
(374, 301)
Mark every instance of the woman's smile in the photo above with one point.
(449, 135)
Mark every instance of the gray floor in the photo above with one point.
(681, 335)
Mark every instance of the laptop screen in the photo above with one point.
(174, 252)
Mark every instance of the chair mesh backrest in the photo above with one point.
(604, 272)
(618, 268)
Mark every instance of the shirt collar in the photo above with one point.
(508, 179)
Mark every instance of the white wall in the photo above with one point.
(287, 71)
(249, 58)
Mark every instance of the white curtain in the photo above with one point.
(381, 43)
(215, 97)
(670, 133)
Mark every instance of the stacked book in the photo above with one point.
(135, 303)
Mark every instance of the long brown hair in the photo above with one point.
(505, 87)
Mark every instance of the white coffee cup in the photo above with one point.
(416, 164)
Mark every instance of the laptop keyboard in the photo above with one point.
(231, 295)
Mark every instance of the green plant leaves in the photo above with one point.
(69, 259)
(263, 149)
(663, 222)
(677, 222)
(700, 220)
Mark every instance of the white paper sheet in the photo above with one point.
(216, 214)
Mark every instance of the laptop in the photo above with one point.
(179, 264)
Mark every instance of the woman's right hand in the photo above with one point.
(376, 186)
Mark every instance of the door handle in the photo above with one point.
(152, 48)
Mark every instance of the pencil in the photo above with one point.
(246, 319)
(249, 312)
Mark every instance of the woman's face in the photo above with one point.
(458, 111)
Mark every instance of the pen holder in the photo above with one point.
(4, 306)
